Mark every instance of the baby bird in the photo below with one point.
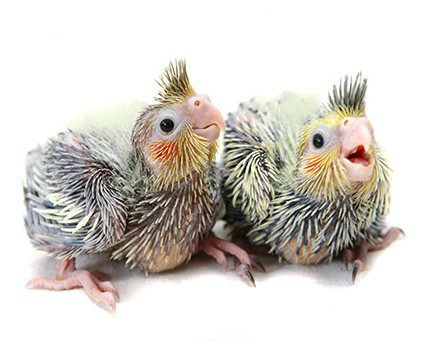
(150, 197)
(308, 182)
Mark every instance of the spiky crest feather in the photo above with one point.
(175, 84)
(350, 95)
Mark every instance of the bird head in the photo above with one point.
(178, 135)
(337, 151)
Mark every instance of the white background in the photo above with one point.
(60, 60)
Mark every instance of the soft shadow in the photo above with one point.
(128, 282)
(332, 274)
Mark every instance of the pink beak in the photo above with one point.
(208, 120)
(357, 140)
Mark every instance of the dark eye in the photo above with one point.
(318, 141)
(167, 125)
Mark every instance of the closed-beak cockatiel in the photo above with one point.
(149, 196)
(307, 182)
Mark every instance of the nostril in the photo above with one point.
(197, 103)
(345, 122)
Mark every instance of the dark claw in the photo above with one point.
(357, 268)
(401, 231)
(249, 276)
(258, 264)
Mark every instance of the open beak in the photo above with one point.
(209, 124)
(357, 142)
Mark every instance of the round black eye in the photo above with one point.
(318, 141)
(167, 125)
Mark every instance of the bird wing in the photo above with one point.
(260, 150)
(249, 163)
(75, 194)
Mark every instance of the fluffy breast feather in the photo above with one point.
(165, 228)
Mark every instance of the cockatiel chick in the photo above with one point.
(150, 197)
(308, 182)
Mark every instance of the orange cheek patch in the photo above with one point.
(162, 152)
(311, 165)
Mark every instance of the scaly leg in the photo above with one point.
(358, 255)
(68, 277)
(216, 247)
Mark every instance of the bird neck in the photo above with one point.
(183, 165)
(167, 182)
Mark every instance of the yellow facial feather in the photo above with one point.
(321, 175)
(177, 159)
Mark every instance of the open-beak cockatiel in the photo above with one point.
(150, 197)
(308, 182)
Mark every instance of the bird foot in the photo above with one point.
(357, 256)
(68, 277)
(244, 262)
